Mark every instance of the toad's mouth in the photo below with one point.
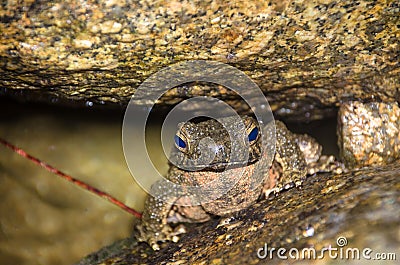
(220, 166)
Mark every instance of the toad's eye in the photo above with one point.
(180, 143)
(253, 135)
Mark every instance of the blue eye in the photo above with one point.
(253, 134)
(180, 144)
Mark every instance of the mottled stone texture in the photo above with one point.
(362, 206)
(305, 55)
(368, 133)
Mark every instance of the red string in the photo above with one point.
(71, 179)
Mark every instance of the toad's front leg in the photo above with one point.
(154, 227)
(168, 205)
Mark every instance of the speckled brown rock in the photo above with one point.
(306, 56)
(362, 206)
(368, 133)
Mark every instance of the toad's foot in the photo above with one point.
(153, 238)
(275, 184)
(326, 164)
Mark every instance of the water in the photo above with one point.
(43, 218)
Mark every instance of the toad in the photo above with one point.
(207, 157)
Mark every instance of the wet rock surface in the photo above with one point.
(368, 133)
(362, 206)
(306, 56)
